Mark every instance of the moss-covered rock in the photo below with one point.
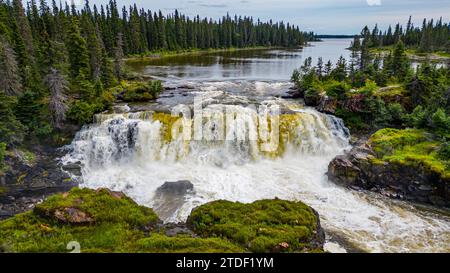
(408, 164)
(411, 147)
(136, 91)
(106, 221)
(262, 226)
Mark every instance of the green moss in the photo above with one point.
(158, 243)
(411, 147)
(101, 206)
(392, 91)
(260, 227)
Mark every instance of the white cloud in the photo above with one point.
(374, 2)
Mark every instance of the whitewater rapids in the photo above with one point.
(129, 152)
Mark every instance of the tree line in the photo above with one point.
(371, 92)
(58, 62)
(431, 36)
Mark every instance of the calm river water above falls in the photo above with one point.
(126, 151)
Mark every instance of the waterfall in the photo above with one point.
(136, 153)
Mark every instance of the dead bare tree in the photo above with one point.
(58, 86)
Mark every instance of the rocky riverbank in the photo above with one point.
(411, 170)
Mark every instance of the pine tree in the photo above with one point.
(78, 53)
(118, 57)
(10, 81)
(11, 130)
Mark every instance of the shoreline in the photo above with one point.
(155, 55)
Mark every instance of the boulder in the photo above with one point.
(176, 188)
(72, 216)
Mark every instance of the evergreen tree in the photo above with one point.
(10, 81)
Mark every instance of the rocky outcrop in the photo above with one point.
(361, 169)
(29, 178)
(327, 105)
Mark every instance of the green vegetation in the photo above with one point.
(139, 91)
(261, 226)
(412, 147)
(105, 221)
(158, 243)
(430, 37)
(368, 95)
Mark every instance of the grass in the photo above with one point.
(411, 147)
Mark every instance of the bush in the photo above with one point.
(312, 97)
(11, 130)
(369, 88)
(337, 90)
(83, 112)
(396, 114)
(441, 122)
(418, 118)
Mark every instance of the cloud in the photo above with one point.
(213, 5)
(374, 2)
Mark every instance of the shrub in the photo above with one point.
(396, 114)
(441, 121)
(369, 88)
(337, 89)
(83, 112)
(418, 118)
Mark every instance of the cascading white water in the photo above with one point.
(130, 153)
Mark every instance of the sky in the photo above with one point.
(320, 16)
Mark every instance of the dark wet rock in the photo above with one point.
(31, 178)
(188, 87)
(73, 168)
(175, 229)
(170, 197)
(355, 103)
(360, 169)
(327, 105)
(176, 188)
(313, 98)
(293, 93)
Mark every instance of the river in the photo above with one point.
(127, 150)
